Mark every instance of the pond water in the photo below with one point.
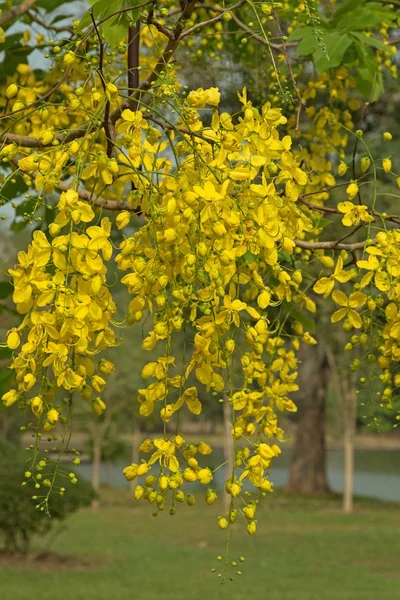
(377, 472)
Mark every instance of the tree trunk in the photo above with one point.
(96, 469)
(228, 447)
(308, 465)
(349, 417)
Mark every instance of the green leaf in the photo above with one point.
(299, 34)
(113, 32)
(26, 207)
(336, 45)
(347, 7)
(6, 289)
(364, 19)
(50, 5)
(14, 54)
(307, 45)
(18, 225)
(10, 191)
(249, 257)
(5, 353)
(307, 322)
(370, 84)
(369, 41)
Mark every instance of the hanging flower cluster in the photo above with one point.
(209, 259)
(60, 288)
(232, 208)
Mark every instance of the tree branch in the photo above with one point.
(16, 11)
(162, 62)
(219, 17)
(58, 29)
(332, 245)
(258, 37)
(133, 57)
(312, 206)
(97, 200)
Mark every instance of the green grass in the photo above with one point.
(304, 549)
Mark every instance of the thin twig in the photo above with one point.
(16, 11)
(98, 200)
(213, 19)
(107, 128)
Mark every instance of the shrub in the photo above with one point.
(19, 519)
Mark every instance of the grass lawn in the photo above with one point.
(303, 550)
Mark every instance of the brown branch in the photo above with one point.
(97, 200)
(39, 21)
(110, 133)
(135, 97)
(213, 19)
(312, 206)
(331, 245)
(16, 11)
(149, 20)
(291, 74)
(258, 37)
(181, 130)
(133, 58)
(78, 132)
(162, 62)
(353, 159)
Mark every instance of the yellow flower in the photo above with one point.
(111, 91)
(342, 168)
(37, 406)
(355, 300)
(138, 491)
(222, 523)
(204, 448)
(165, 454)
(28, 381)
(98, 406)
(387, 136)
(52, 416)
(189, 475)
(387, 165)
(211, 497)
(354, 214)
(11, 91)
(106, 367)
(28, 164)
(13, 339)
(326, 284)
(69, 58)
(143, 469)
(352, 190)
(365, 164)
(249, 511)
(204, 476)
(251, 527)
(123, 219)
(10, 397)
(130, 472)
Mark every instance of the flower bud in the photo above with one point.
(11, 91)
(138, 492)
(211, 497)
(251, 527)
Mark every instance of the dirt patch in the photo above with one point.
(49, 561)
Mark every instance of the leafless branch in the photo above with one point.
(98, 201)
(213, 19)
(16, 11)
(331, 245)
